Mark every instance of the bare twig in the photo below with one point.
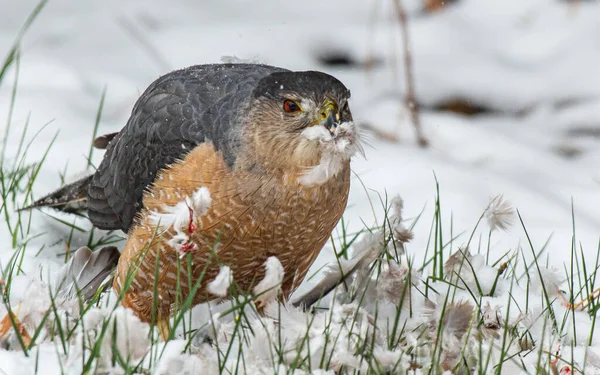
(574, 6)
(369, 62)
(143, 40)
(411, 101)
(434, 5)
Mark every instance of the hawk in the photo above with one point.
(220, 164)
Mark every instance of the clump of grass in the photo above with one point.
(385, 315)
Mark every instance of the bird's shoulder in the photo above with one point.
(175, 114)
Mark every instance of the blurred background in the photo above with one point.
(508, 96)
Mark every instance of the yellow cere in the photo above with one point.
(329, 106)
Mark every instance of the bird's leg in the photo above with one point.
(585, 302)
(163, 327)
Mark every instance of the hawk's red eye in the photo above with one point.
(290, 106)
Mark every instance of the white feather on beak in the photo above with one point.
(336, 148)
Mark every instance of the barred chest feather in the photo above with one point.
(249, 219)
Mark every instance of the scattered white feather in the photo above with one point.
(201, 201)
(351, 325)
(366, 250)
(30, 302)
(268, 288)
(220, 285)
(124, 335)
(492, 317)
(392, 283)
(177, 216)
(369, 247)
(499, 214)
(389, 359)
(471, 271)
(343, 358)
(401, 233)
(593, 358)
(547, 278)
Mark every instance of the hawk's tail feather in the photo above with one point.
(99, 210)
(69, 198)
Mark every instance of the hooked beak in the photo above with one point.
(331, 121)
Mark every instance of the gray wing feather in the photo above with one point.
(175, 114)
(86, 271)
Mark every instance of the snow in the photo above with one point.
(535, 64)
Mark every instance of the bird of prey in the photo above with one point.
(221, 164)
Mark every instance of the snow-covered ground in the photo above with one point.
(536, 64)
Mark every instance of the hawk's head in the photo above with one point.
(301, 121)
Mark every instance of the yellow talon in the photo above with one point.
(163, 328)
(584, 302)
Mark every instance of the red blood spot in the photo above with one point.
(191, 226)
(188, 246)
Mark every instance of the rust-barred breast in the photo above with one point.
(250, 219)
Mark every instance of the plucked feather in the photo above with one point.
(86, 271)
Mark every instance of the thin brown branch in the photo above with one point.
(434, 5)
(411, 101)
(140, 37)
